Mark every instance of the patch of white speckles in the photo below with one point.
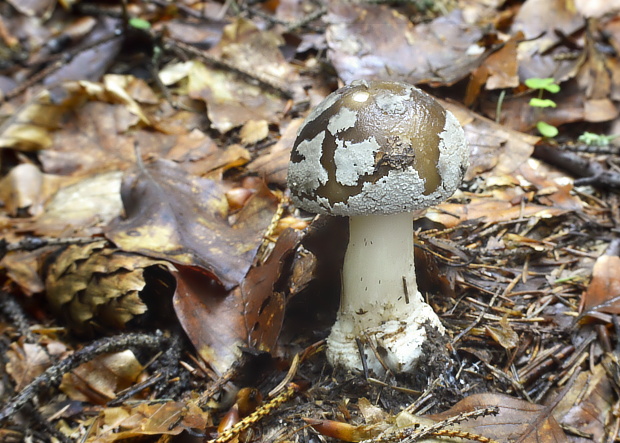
(355, 159)
(403, 190)
(306, 176)
(399, 191)
(393, 104)
(319, 206)
(453, 154)
(344, 119)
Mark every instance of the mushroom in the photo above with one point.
(375, 151)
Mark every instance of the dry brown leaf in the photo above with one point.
(254, 131)
(503, 334)
(537, 53)
(82, 208)
(498, 71)
(100, 379)
(588, 404)
(218, 323)
(124, 422)
(517, 419)
(603, 293)
(24, 268)
(488, 209)
(21, 190)
(503, 65)
(495, 148)
(273, 163)
(103, 119)
(185, 219)
(29, 126)
(26, 361)
(377, 42)
(553, 188)
(232, 101)
(344, 431)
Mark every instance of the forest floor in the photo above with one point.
(159, 285)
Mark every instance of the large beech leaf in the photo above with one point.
(517, 419)
(219, 323)
(375, 41)
(185, 219)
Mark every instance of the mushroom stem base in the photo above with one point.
(399, 343)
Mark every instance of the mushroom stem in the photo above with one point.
(378, 263)
(380, 300)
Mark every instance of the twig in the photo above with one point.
(53, 375)
(592, 172)
(260, 413)
(415, 433)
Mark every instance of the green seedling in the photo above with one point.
(139, 23)
(592, 139)
(542, 85)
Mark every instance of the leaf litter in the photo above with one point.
(144, 189)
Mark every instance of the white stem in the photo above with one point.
(378, 269)
(380, 301)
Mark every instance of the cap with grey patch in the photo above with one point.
(376, 147)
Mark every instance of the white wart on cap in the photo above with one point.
(376, 147)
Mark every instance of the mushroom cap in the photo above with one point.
(376, 147)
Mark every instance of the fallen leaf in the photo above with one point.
(377, 42)
(125, 422)
(273, 163)
(172, 215)
(219, 323)
(503, 334)
(495, 148)
(100, 379)
(232, 101)
(517, 419)
(603, 293)
(588, 404)
(26, 361)
(21, 190)
(254, 131)
(81, 209)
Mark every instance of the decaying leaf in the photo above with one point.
(100, 379)
(588, 404)
(21, 190)
(82, 208)
(254, 131)
(125, 422)
(376, 42)
(219, 323)
(603, 294)
(494, 148)
(25, 362)
(172, 215)
(504, 334)
(273, 164)
(344, 431)
(517, 419)
(232, 101)
(94, 286)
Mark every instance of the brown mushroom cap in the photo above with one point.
(376, 147)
